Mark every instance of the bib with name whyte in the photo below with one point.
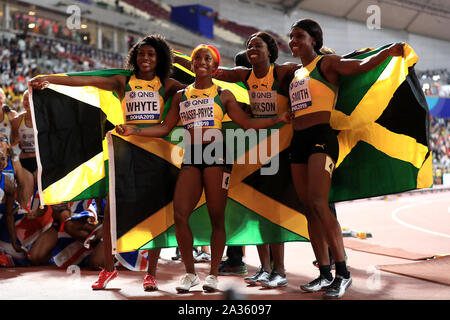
(144, 101)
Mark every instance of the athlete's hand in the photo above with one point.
(124, 130)
(39, 83)
(397, 49)
(286, 117)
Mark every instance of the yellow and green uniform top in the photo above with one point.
(143, 102)
(266, 97)
(26, 137)
(201, 108)
(310, 92)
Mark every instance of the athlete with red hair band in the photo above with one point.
(201, 108)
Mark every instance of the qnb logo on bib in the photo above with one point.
(197, 113)
(263, 103)
(299, 94)
(142, 105)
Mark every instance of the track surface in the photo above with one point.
(416, 222)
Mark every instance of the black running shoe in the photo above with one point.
(318, 284)
(337, 289)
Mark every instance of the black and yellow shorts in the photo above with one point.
(316, 139)
(206, 155)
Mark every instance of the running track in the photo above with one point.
(417, 222)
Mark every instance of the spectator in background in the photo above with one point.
(23, 133)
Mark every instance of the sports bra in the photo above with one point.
(143, 102)
(201, 108)
(309, 92)
(266, 97)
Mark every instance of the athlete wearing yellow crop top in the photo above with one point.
(143, 102)
(265, 94)
(201, 108)
(314, 148)
(150, 61)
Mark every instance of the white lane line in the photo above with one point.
(394, 216)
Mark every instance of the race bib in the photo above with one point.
(26, 140)
(263, 103)
(142, 105)
(299, 94)
(197, 113)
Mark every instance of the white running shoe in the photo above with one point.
(261, 274)
(187, 282)
(211, 283)
(275, 280)
(202, 256)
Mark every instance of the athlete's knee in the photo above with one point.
(181, 215)
(318, 207)
(218, 224)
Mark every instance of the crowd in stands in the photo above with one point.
(435, 82)
(25, 56)
(151, 7)
(244, 31)
(440, 142)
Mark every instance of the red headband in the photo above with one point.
(214, 52)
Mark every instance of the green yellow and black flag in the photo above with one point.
(70, 127)
(381, 119)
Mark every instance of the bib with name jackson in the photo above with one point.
(144, 101)
(266, 98)
(310, 92)
(201, 108)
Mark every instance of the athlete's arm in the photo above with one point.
(244, 120)
(334, 64)
(159, 130)
(114, 83)
(236, 74)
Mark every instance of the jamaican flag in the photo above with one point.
(382, 120)
(70, 127)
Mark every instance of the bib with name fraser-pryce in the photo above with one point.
(197, 113)
(299, 94)
(263, 103)
(142, 105)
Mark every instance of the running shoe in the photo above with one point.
(202, 256)
(103, 279)
(177, 255)
(337, 289)
(187, 282)
(210, 284)
(226, 270)
(318, 284)
(150, 283)
(261, 274)
(275, 280)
